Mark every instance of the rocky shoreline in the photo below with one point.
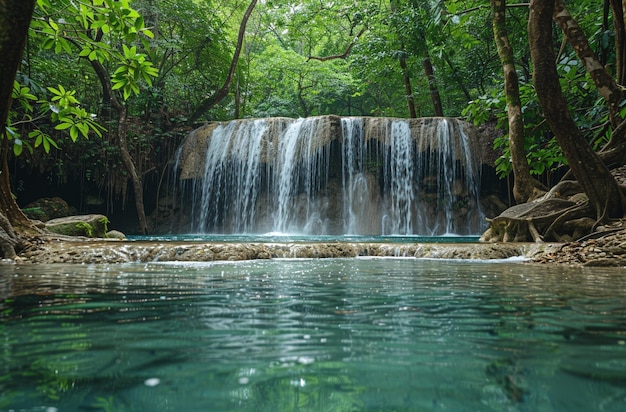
(116, 251)
(608, 250)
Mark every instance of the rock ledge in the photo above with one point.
(115, 251)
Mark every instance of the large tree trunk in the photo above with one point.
(592, 174)
(524, 186)
(15, 16)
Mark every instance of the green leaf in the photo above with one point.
(148, 33)
(51, 141)
(139, 22)
(117, 84)
(17, 147)
(74, 133)
(66, 46)
(63, 126)
(55, 91)
(48, 43)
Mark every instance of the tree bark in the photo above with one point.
(122, 142)
(606, 85)
(432, 85)
(223, 91)
(407, 87)
(592, 174)
(15, 16)
(523, 183)
(620, 40)
(129, 165)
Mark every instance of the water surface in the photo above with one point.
(275, 237)
(312, 335)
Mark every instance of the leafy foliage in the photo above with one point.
(63, 109)
(300, 59)
(100, 31)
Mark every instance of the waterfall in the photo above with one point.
(229, 190)
(401, 179)
(331, 175)
(301, 169)
(450, 177)
(355, 188)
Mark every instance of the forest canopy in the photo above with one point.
(106, 89)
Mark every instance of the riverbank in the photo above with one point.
(607, 250)
(115, 251)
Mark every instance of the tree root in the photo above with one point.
(551, 218)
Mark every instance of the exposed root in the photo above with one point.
(562, 214)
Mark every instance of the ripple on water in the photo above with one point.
(336, 334)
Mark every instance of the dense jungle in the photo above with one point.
(97, 95)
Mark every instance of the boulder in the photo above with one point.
(84, 225)
(115, 234)
(47, 208)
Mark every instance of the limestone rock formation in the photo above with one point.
(331, 175)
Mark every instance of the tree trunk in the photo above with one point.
(129, 165)
(15, 16)
(620, 40)
(220, 94)
(10, 209)
(407, 87)
(122, 142)
(432, 85)
(523, 183)
(591, 173)
(9, 213)
(605, 84)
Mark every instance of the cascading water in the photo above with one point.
(300, 169)
(401, 179)
(331, 176)
(233, 158)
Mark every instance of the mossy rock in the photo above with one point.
(47, 208)
(84, 225)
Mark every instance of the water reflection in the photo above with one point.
(353, 334)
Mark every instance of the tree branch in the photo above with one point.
(222, 92)
(340, 56)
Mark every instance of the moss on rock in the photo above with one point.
(84, 225)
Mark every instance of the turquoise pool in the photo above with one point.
(312, 335)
